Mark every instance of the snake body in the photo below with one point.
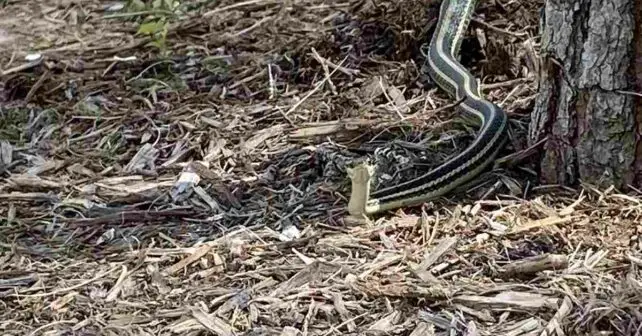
(459, 83)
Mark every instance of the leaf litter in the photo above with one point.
(185, 174)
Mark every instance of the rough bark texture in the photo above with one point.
(636, 73)
(591, 54)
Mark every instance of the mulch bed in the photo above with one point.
(193, 180)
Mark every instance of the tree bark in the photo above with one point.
(587, 103)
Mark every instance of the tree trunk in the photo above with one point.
(588, 103)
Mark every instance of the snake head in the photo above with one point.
(360, 175)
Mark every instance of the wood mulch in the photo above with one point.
(192, 181)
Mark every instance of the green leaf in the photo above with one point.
(136, 6)
(160, 44)
(171, 4)
(150, 28)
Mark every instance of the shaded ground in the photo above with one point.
(263, 103)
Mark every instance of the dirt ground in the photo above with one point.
(179, 168)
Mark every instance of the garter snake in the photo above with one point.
(459, 83)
